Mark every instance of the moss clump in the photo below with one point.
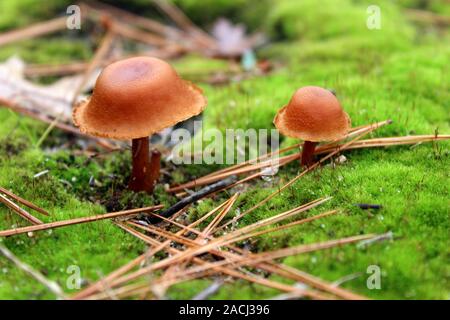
(48, 50)
(305, 20)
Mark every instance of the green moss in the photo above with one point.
(54, 50)
(20, 13)
(305, 20)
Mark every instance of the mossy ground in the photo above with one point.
(399, 72)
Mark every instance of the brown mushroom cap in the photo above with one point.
(313, 114)
(137, 97)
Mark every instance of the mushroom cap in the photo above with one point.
(313, 114)
(136, 97)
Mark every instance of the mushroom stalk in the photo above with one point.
(139, 180)
(308, 153)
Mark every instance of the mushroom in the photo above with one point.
(313, 114)
(133, 99)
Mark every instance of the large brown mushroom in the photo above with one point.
(133, 99)
(313, 114)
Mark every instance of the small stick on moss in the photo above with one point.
(203, 38)
(217, 219)
(23, 201)
(144, 36)
(58, 224)
(21, 212)
(231, 272)
(385, 142)
(212, 289)
(32, 31)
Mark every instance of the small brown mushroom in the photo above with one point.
(313, 114)
(133, 99)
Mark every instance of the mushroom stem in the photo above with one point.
(308, 153)
(139, 180)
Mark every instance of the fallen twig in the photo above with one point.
(21, 212)
(23, 201)
(385, 142)
(58, 224)
(32, 31)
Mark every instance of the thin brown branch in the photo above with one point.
(58, 224)
(21, 212)
(218, 218)
(40, 70)
(33, 31)
(385, 142)
(23, 201)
